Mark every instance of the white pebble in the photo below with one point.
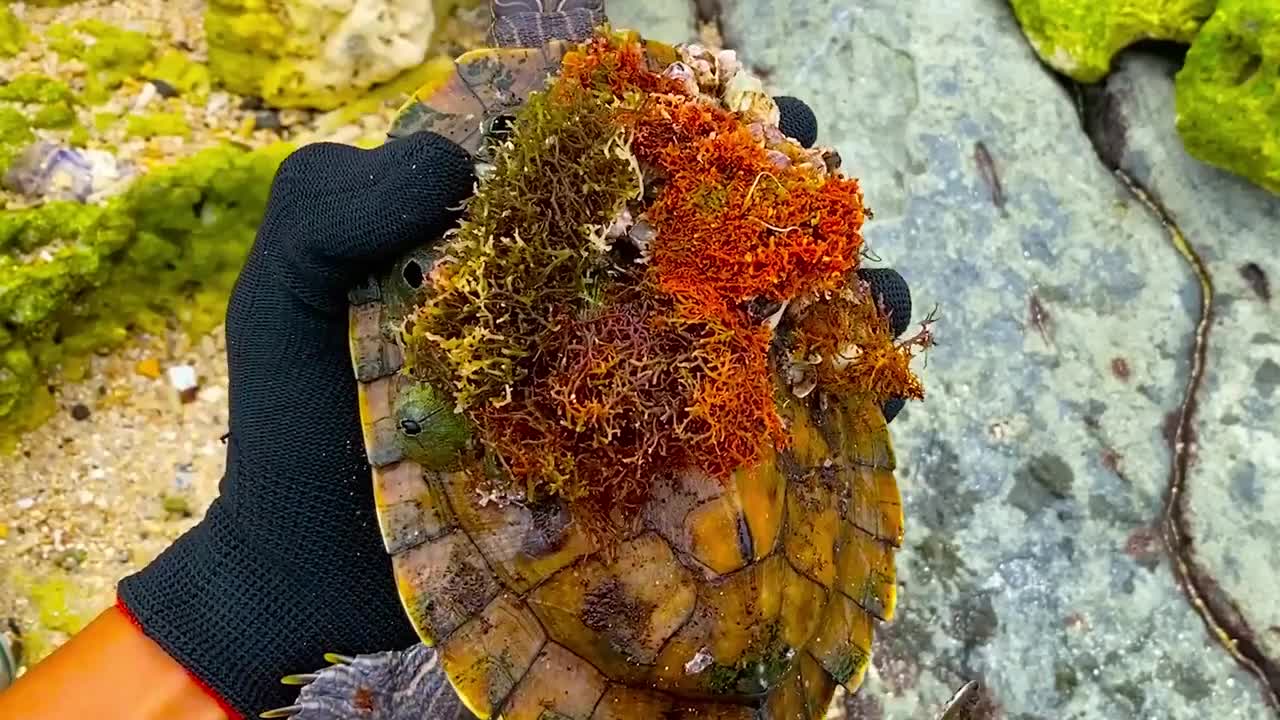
(26, 503)
(182, 377)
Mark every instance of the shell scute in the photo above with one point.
(443, 582)
(378, 419)
(759, 496)
(813, 525)
(865, 572)
(523, 544)
(618, 613)
(842, 644)
(559, 686)
(487, 656)
(410, 505)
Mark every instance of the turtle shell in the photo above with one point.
(752, 598)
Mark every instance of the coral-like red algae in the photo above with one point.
(589, 374)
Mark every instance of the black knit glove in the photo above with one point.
(288, 563)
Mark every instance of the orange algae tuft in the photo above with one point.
(588, 375)
(734, 224)
(855, 345)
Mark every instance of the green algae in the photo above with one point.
(1228, 92)
(32, 88)
(15, 133)
(167, 251)
(60, 612)
(13, 34)
(185, 75)
(60, 115)
(154, 124)
(260, 49)
(1079, 37)
(111, 54)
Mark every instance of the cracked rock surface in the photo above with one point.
(1233, 501)
(1035, 473)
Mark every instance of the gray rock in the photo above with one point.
(1034, 473)
(1234, 519)
(666, 20)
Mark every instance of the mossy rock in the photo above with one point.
(1079, 37)
(15, 134)
(111, 54)
(168, 249)
(13, 34)
(300, 53)
(1228, 92)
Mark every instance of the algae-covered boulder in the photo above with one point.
(1228, 91)
(317, 53)
(77, 278)
(1079, 37)
(13, 34)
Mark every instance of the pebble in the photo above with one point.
(164, 89)
(183, 379)
(80, 411)
(149, 367)
(183, 476)
(267, 120)
(145, 96)
(26, 503)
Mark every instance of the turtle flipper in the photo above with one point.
(394, 685)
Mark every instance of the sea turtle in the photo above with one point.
(754, 598)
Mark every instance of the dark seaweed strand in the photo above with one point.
(1219, 613)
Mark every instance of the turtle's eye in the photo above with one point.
(500, 128)
(412, 274)
(410, 427)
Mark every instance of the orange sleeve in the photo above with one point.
(111, 671)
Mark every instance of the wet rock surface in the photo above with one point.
(1232, 504)
(1034, 475)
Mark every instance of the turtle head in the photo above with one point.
(429, 430)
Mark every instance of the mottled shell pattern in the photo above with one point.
(751, 599)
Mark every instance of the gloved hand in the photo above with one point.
(288, 563)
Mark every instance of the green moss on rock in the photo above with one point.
(13, 34)
(172, 245)
(15, 133)
(1079, 37)
(282, 51)
(153, 124)
(185, 75)
(31, 88)
(110, 53)
(1228, 92)
(59, 115)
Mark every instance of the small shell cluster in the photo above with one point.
(718, 77)
(719, 74)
